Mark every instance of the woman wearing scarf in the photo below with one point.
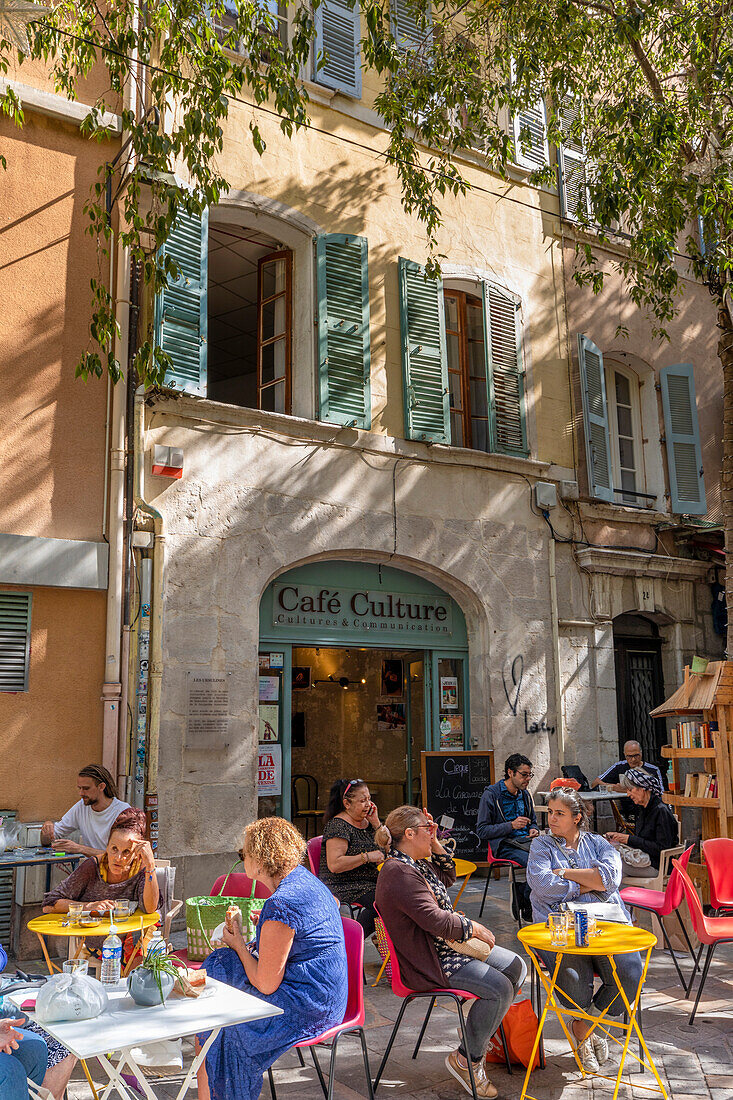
(412, 898)
(656, 826)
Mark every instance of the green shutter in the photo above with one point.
(15, 640)
(505, 373)
(424, 356)
(338, 34)
(682, 433)
(180, 309)
(344, 356)
(595, 419)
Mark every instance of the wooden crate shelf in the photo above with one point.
(685, 800)
(669, 752)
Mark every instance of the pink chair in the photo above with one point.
(662, 903)
(494, 861)
(238, 885)
(313, 848)
(459, 996)
(709, 930)
(718, 855)
(353, 1021)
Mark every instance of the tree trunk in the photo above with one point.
(725, 351)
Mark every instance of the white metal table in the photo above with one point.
(592, 798)
(125, 1025)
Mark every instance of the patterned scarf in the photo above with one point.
(423, 867)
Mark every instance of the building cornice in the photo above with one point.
(633, 563)
(57, 106)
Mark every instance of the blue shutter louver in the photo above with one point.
(180, 309)
(344, 349)
(15, 640)
(406, 25)
(338, 31)
(424, 356)
(682, 432)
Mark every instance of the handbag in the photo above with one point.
(473, 947)
(520, 1030)
(204, 914)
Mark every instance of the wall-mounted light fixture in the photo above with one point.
(342, 681)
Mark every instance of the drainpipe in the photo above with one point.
(155, 674)
(555, 625)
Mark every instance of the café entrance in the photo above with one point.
(361, 668)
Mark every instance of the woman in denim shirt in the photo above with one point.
(574, 865)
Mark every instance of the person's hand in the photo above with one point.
(142, 849)
(234, 939)
(520, 823)
(255, 916)
(47, 833)
(373, 816)
(534, 832)
(104, 906)
(558, 870)
(66, 845)
(618, 787)
(617, 838)
(9, 1037)
(484, 934)
(376, 856)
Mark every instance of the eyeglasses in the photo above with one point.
(633, 756)
(525, 775)
(421, 826)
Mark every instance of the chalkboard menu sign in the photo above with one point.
(452, 784)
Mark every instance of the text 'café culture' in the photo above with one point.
(369, 611)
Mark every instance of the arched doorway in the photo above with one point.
(362, 667)
(637, 649)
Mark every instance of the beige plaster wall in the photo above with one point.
(54, 728)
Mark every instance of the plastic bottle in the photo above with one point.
(111, 957)
(156, 944)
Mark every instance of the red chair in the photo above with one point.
(662, 903)
(512, 865)
(709, 930)
(718, 855)
(353, 1022)
(459, 996)
(313, 848)
(238, 885)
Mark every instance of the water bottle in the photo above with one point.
(111, 957)
(156, 944)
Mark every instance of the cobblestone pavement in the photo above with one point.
(695, 1062)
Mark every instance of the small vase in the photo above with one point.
(143, 987)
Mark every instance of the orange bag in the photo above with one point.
(520, 1028)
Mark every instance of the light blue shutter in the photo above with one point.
(344, 356)
(682, 433)
(338, 31)
(406, 25)
(180, 309)
(505, 373)
(15, 640)
(595, 419)
(424, 356)
(572, 167)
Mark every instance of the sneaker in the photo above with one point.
(484, 1087)
(600, 1046)
(587, 1056)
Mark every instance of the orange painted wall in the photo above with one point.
(54, 728)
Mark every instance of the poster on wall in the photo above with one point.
(268, 722)
(269, 689)
(301, 678)
(391, 716)
(264, 660)
(392, 677)
(269, 771)
(449, 693)
(451, 731)
(207, 711)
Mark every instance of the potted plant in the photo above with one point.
(152, 981)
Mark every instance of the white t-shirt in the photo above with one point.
(93, 825)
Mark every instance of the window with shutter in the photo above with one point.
(572, 166)
(180, 309)
(15, 640)
(412, 24)
(273, 28)
(595, 419)
(467, 381)
(529, 130)
(338, 31)
(424, 357)
(682, 432)
(344, 355)
(506, 372)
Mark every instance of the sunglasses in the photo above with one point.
(352, 783)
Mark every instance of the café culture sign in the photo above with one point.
(307, 605)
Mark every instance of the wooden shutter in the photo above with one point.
(338, 31)
(504, 374)
(572, 169)
(15, 640)
(344, 356)
(424, 356)
(531, 123)
(406, 25)
(180, 309)
(682, 433)
(595, 419)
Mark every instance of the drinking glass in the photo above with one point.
(558, 930)
(75, 911)
(122, 909)
(592, 926)
(76, 966)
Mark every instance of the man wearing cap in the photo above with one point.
(615, 776)
(656, 826)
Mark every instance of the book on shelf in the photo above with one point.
(700, 785)
(692, 734)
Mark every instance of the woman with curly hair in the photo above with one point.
(297, 962)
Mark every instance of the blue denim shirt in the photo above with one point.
(548, 889)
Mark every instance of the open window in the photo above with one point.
(469, 405)
(627, 453)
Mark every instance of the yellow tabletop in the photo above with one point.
(51, 924)
(612, 939)
(464, 867)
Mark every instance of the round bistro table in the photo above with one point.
(52, 924)
(612, 939)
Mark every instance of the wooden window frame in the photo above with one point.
(272, 257)
(627, 498)
(462, 297)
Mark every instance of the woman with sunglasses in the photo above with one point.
(350, 855)
(413, 901)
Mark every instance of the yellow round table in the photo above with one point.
(51, 924)
(612, 939)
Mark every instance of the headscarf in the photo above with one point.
(638, 777)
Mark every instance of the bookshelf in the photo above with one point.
(703, 707)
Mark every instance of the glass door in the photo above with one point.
(450, 724)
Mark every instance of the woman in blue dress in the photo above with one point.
(297, 962)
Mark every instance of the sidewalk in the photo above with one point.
(696, 1062)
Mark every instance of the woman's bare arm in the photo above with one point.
(337, 860)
